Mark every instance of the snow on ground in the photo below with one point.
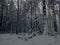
(12, 39)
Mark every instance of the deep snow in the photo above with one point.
(13, 39)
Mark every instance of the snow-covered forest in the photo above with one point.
(37, 22)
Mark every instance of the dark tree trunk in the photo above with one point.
(17, 28)
(1, 17)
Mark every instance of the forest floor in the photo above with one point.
(13, 39)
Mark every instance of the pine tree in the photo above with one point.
(2, 5)
(12, 15)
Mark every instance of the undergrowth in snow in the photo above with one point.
(25, 39)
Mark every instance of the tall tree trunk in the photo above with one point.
(1, 16)
(17, 28)
(44, 13)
